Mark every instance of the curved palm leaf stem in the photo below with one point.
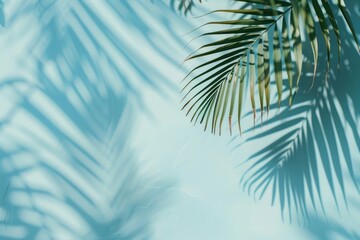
(267, 29)
(261, 34)
(252, 44)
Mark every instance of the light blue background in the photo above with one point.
(93, 144)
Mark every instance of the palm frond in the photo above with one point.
(267, 28)
(303, 157)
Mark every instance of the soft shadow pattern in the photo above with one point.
(341, 228)
(327, 230)
(184, 6)
(304, 152)
(81, 180)
(88, 27)
(2, 17)
(68, 166)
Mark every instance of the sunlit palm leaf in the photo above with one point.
(244, 39)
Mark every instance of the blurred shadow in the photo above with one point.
(327, 230)
(69, 170)
(184, 6)
(2, 17)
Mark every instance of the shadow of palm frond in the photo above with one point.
(184, 6)
(303, 154)
(111, 31)
(69, 166)
(335, 227)
(311, 140)
(68, 180)
(2, 16)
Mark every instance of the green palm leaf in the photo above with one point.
(242, 38)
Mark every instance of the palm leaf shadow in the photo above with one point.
(303, 167)
(105, 162)
(184, 6)
(71, 167)
(344, 227)
(2, 16)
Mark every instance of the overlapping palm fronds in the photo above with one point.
(263, 35)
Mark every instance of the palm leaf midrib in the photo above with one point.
(265, 31)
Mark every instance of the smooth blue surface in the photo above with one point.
(93, 144)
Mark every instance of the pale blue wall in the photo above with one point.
(93, 144)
